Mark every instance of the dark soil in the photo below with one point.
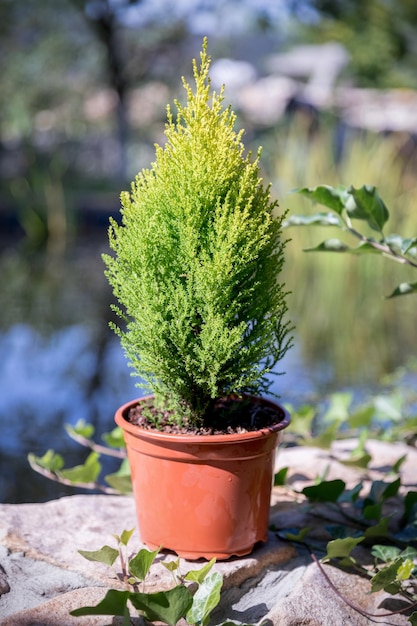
(229, 416)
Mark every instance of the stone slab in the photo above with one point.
(42, 576)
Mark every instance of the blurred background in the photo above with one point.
(326, 87)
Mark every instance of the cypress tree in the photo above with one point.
(197, 260)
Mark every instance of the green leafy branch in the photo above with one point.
(193, 596)
(363, 204)
(86, 475)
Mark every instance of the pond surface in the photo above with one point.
(60, 363)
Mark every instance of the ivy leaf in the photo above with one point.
(405, 570)
(106, 555)
(369, 206)
(302, 419)
(385, 553)
(340, 548)
(389, 407)
(199, 575)
(115, 438)
(298, 535)
(114, 603)
(397, 465)
(392, 489)
(378, 530)
(351, 495)
(386, 576)
(403, 289)
(163, 606)
(172, 566)
(326, 491)
(280, 477)
(372, 511)
(413, 619)
(325, 439)
(410, 506)
(49, 461)
(125, 536)
(141, 563)
(86, 473)
(205, 599)
(358, 461)
(121, 480)
(81, 429)
(362, 417)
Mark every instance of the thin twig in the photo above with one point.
(353, 606)
(96, 447)
(64, 481)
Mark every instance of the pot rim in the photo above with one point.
(189, 438)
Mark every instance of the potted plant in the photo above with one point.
(195, 269)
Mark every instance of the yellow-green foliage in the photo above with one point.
(197, 260)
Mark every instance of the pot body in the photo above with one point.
(202, 496)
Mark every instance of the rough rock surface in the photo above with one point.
(42, 576)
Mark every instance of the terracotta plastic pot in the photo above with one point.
(202, 496)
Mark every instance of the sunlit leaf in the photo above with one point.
(121, 480)
(199, 575)
(205, 599)
(81, 428)
(50, 461)
(386, 576)
(106, 555)
(301, 419)
(325, 439)
(330, 197)
(141, 563)
(362, 417)
(171, 566)
(389, 407)
(369, 207)
(115, 438)
(114, 603)
(125, 536)
(338, 409)
(339, 548)
(164, 606)
(86, 473)
(405, 570)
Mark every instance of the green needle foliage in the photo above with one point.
(197, 261)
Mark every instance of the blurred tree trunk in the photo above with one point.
(102, 17)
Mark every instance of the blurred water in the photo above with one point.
(60, 362)
(45, 382)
